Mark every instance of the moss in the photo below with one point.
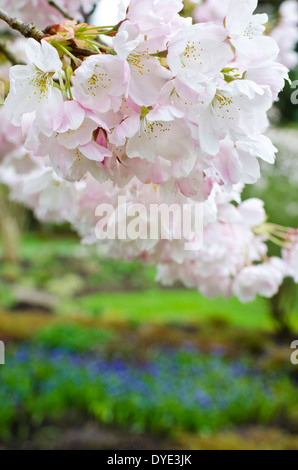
(256, 438)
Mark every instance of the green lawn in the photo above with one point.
(123, 291)
(181, 306)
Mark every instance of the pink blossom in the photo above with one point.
(32, 88)
(100, 83)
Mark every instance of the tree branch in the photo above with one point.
(9, 55)
(26, 29)
(79, 51)
(61, 10)
(86, 15)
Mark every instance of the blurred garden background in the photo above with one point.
(98, 356)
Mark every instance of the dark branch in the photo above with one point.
(61, 10)
(9, 55)
(79, 51)
(26, 29)
(86, 15)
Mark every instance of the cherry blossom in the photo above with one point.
(100, 83)
(286, 33)
(166, 139)
(153, 110)
(32, 88)
(72, 150)
(283, 26)
(238, 109)
(155, 19)
(246, 30)
(147, 76)
(264, 280)
(199, 53)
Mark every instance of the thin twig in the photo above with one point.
(79, 51)
(61, 10)
(86, 15)
(26, 29)
(9, 55)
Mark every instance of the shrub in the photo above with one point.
(74, 338)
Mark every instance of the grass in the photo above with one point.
(52, 260)
(38, 244)
(183, 306)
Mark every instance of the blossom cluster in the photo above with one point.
(179, 105)
(170, 112)
(233, 260)
(283, 25)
